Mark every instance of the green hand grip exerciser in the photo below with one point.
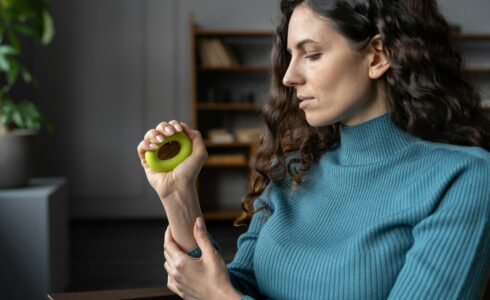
(172, 151)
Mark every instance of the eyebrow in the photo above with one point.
(302, 43)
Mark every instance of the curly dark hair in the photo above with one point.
(428, 94)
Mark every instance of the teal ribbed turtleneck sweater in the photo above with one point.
(382, 215)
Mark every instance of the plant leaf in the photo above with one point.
(48, 28)
(26, 74)
(23, 115)
(4, 64)
(14, 41)
(12, 72)
(6, 50)
(24, 29)
(17, 118)
(7, 4)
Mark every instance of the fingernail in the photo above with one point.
(159, 138)
(169, 130)
(200, 224)
(153, 146)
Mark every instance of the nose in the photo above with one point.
(293, 76)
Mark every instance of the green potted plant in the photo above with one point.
(20, 121)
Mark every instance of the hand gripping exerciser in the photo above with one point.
(164, 159)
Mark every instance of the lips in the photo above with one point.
(304, 101)
(305, 98)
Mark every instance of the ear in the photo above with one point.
(378, 61)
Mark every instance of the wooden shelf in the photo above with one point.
(226, 161)
(227, 106)
(232, 33)
(208, 143)
(477, 69)
(244, 77)
(226, 165)
(239, 68)
(468, 36)
(222, 215)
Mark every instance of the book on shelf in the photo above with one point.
(218, 58)
(204, 53)
(209, 56)
(225, 53)
(227, 159)
(223, 60)
(220, 136)
(248, 135)
(231, 55)
(215, 53)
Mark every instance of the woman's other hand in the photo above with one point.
(197, 278)
(185, 173)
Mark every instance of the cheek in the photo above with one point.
(343, 79)
(324, 77)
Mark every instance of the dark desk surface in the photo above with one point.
(160, 293)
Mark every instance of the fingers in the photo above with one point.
(203, 241)
(144, 146)
(172, 285)
(169, 265)
(169, 128)
(176, 125)
(166, 243)
(153, 137)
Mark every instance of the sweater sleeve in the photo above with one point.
(450, 255)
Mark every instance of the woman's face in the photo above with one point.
(331, 80)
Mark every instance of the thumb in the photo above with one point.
(202, 238)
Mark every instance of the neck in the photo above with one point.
(374, 107)
(371, 141)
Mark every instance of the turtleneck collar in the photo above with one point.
(371, 141)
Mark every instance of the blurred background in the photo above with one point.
(85, 217)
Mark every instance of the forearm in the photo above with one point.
(228, 292)
(182, 209)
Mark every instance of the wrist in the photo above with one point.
(182, 205)
(183, 194)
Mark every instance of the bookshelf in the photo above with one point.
(230, 80)
(475, 49)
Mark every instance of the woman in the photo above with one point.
(372, 180)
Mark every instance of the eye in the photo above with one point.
(313, 57)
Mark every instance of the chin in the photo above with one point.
(319, 121)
